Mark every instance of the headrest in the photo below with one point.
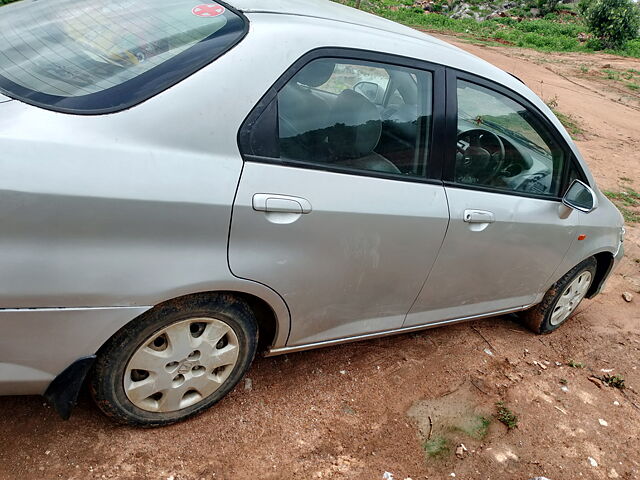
(316, 73)
(356, 126)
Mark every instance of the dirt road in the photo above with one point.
(360, 410)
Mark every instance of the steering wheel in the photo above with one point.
(480, 154)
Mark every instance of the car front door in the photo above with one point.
(504, 177)
(338, 208)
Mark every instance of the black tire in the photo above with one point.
(106, 380)
(538, 318)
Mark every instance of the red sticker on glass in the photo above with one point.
(208, 10)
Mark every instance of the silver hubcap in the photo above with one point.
(181, 365)
(570, 298)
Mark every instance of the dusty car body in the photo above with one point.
(112, 208)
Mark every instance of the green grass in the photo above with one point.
(628, 198)
(625, 201)
(506, 416)
(478, 428)
(436, 447)
(615, 381)
(574, 364)
(556, 32)
(629, 78)
(570, 123)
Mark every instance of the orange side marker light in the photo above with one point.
(582, 236)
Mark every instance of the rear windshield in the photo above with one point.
(99, 56)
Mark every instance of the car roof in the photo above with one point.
(330, 10)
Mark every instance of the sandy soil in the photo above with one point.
(360, 410)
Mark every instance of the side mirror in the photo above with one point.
(580, 196)
(368, 89)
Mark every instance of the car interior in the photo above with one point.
(348, 129)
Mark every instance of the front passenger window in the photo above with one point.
(501, 145)
(359, 116)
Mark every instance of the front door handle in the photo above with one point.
(478, 216)
(273, 202)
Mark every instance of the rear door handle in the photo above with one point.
(478, 216)
(273, 202)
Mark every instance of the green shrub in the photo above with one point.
(583, 6)
(613, 21)
(548, 6)
(632, 48)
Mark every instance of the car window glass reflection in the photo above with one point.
(356, 115)
(501, 145)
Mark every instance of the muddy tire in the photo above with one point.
(174, 361)
(561, 300)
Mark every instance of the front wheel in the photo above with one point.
(175, 361)
(562, 299)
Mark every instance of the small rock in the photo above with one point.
(592, 462)
(539, 478)
(41, 468)
(606, 65)
(47, 452)
(613, 474)
(616, 403)
(540, 364)
(558, 364)
(452, 474)
(248, 384)
(342, 372)
(627, 296)
(603, 422)
(564, 388)
(387, 476)
(461, 450)
(488, 352)
(171, 477)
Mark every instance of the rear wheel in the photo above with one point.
(175, 361)
(562, 299)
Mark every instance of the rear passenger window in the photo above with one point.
(353, 115)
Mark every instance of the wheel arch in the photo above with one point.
(605, 261)
(272, 317)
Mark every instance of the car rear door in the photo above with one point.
(339, 208)
(508, 231)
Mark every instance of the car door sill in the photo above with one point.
(384, 333)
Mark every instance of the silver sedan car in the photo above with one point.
(184, 184)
